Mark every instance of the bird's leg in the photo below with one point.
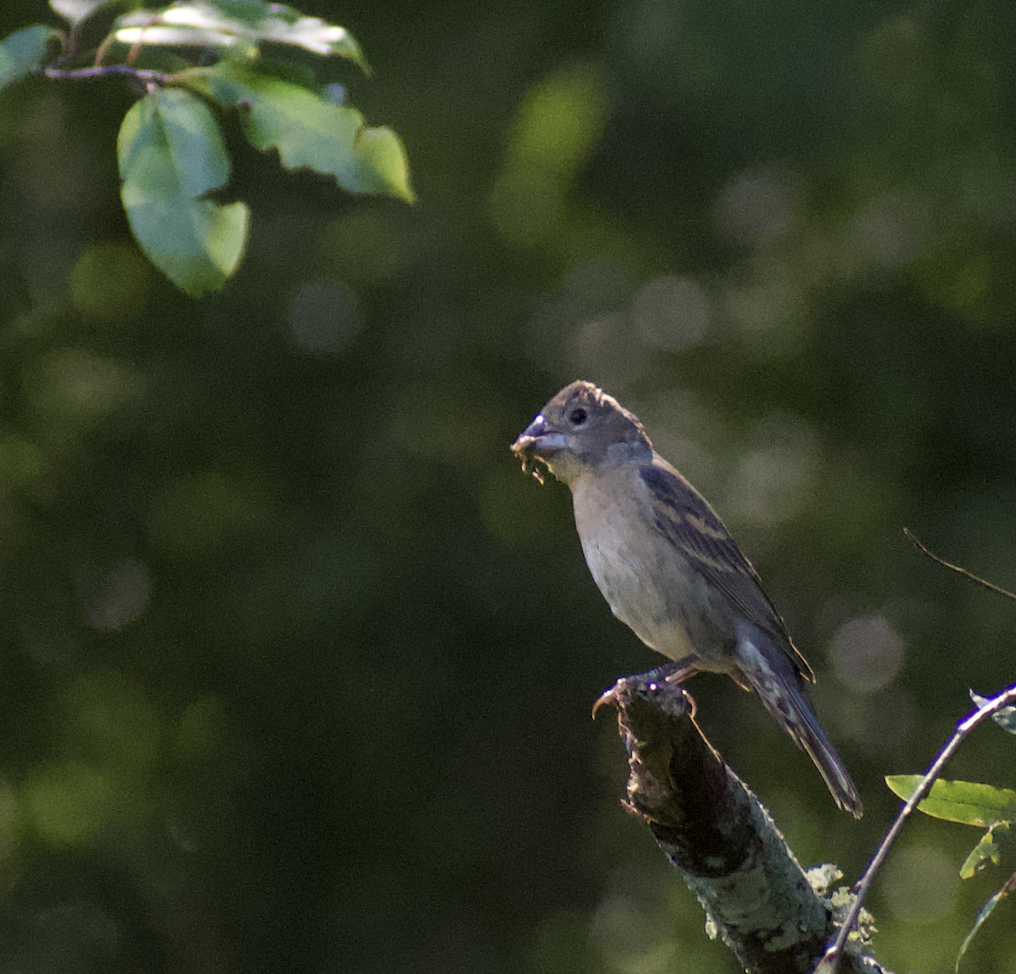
(677, 671)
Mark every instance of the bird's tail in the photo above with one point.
(777, 683)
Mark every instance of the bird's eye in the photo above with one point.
(577, 416)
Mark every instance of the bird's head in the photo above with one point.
(579, 429)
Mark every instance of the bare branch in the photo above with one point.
(956, 568)
(757, 897)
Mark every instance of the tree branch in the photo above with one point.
(757, 897)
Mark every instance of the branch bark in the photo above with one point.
(756, 896)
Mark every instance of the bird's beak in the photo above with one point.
(538, 440)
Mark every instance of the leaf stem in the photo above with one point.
(106, 71)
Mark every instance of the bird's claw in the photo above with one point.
(608, 696)
(613, 695)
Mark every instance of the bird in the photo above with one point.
(669, 569)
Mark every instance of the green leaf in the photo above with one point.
(156, 35)
(23, 52)
(1005, 718)
(308, 129)
(384, 168)
(77, 10)
(988, 849)
(229, 22)
(171, 154)
(959, 801)
(992, 902)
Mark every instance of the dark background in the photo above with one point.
(297, 665)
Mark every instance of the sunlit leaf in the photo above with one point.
(24, 51)
(308, 129)
(1005, 718)
(966, 802)
(987, 850)
(383, 164)
(77, 10)
(243, 20)
(171, 154)
(177, 37)
(992, 902)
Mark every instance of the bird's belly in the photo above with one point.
(634, 596)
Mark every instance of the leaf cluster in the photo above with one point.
(171, 148)
(980, 805)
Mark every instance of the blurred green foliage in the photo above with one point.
(297, 665)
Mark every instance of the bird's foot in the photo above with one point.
(670, 676)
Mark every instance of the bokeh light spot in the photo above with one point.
(558, 124)
(121, 597)
(766, 308)
(866, 653)
(366, 247)
(67, 802)
(561, 120)
(108, 722)
(110, 281)
(889, 231)
(894, 61)
(74, 388)
(755, 207)
(323, 316)
(22, 464)
(671, 313)
(774, 476)
(606, 349)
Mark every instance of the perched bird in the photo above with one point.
(668, 568)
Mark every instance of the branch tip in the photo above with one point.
(956, 568)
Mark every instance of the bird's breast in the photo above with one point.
(640, 580)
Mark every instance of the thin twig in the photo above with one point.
(831, 958)
(956, 568)
(81, 74)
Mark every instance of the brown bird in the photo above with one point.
(668, 568)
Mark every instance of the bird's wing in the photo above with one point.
(690, 524)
